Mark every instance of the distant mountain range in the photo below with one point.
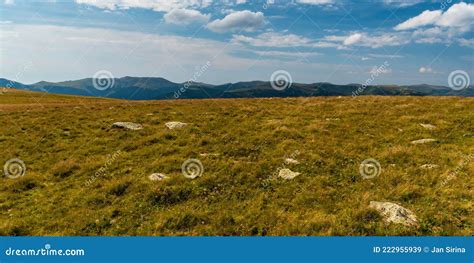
(147, 88)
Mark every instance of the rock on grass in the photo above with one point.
(175, 125)
(422, 141)
(127, 125)
(157, 177)
(428, 126)
(287, 174)
(393, 213)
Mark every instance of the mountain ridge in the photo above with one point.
(157, 88)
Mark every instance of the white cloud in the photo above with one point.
(185, 17)
(273, 39)
(459, 15)
(377, 70)
(372, 41)
(9, 2)
(466, 42)
(425, 18)
(240, 2)
(238, 21)
(352, 39)
(156, 5)
(315, 2)
(287, 54)
(424, 70)
(402, 3)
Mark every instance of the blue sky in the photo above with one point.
(314, 40)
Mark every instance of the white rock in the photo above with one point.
(291, 161)
(287, 174)
(428, 126)
(157, 177)
(429, 166)
(175, 125)
(127, 125)
(393, 213)
(423, 141)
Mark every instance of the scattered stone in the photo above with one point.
(468, 135)
(149, 114)
(423, 141)
(393, 213)
(175, 125)
(291, 161)
(127, 125)
(157, 177)
(287, 174)
(428, 126)
(400, 130)
(333, 119)
(208, 154)
(429, 166)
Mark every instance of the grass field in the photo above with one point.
(84, 177)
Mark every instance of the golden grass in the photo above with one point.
(85, 178)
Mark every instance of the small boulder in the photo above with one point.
(429, 166)
(127, 125)
(157, 177)
(393, 213)
(428, 126)
(421, 141)
(175, 125)
(287, 174)
(291, 161)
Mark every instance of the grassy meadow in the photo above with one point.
(84, 177)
